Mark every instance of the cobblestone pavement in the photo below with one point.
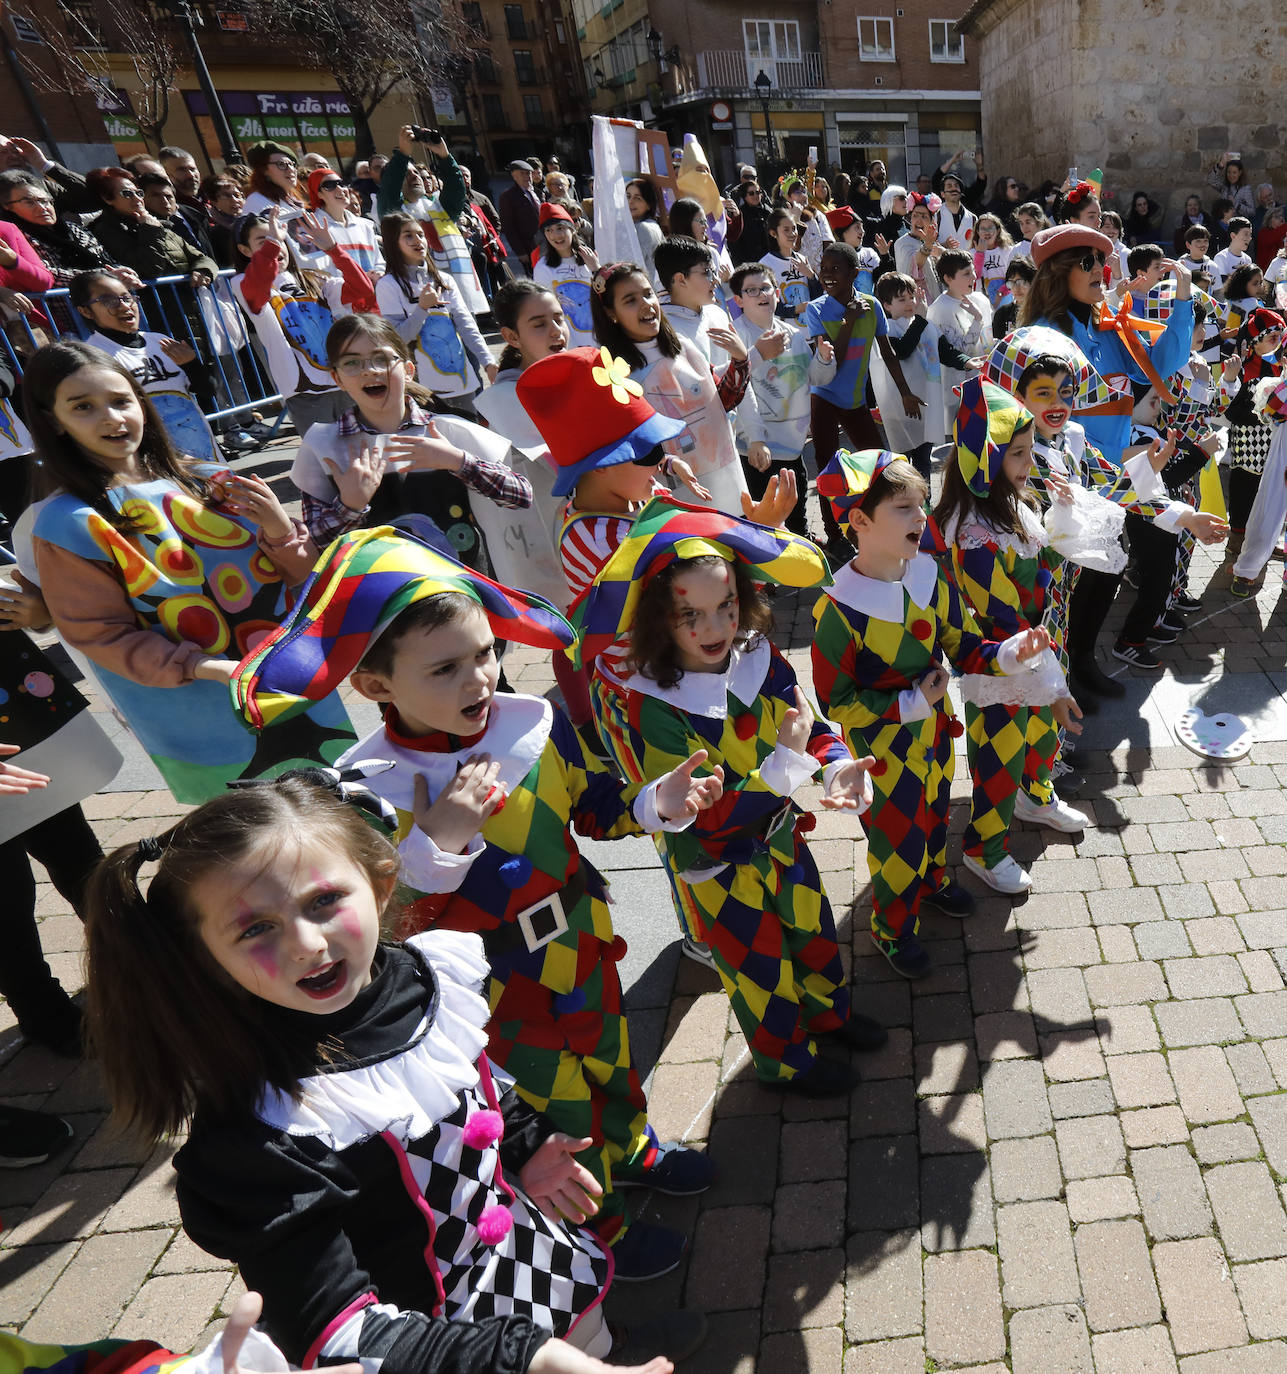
(1071, 1156)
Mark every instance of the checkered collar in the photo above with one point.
(884, 600)
(351, 421)
(707, 694)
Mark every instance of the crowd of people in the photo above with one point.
(419, 1150)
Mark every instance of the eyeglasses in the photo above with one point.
(331, 185)
(1091, 261)
(130, 193)
(377, 362)
(754, 291)
(31, 200)
(286, 164)
(119, 302)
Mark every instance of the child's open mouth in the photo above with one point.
(478, 711)
(1055, 419)
(326, 983)
(376, 391)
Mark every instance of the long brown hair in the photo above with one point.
(391, 227)
(653, 651)
(379, 331)
(999, 509)
(610, 334)
(63, 464)
(171, 1029)
(1048, 297)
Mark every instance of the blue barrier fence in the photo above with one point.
(209, 319)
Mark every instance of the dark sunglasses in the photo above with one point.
(1091, 261)
(331, 184)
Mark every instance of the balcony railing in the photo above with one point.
(727, 70)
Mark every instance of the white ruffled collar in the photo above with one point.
(411, 1091)
(977, 532)
(516, 732)
(707, 694)
(884, 600)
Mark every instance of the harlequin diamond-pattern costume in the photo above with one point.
(747, 883)
(873, 644)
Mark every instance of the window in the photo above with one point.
(875, 40)
(524, 71)
(472, 13)
(533, 112)
(515, 26)
(946, 45)
(493, 111)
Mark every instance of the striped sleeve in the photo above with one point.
(587, 543)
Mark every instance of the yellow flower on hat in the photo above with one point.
(615, 373)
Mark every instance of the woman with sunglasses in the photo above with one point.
(328, 198)
(1067, 294)
(132, 237)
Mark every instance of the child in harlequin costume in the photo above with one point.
(1261, 341)
(1002, 564)
(416, 630)
(705, 678)
(1269, 510)
(887, 629)
(351, 1145)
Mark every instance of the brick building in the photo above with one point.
(877, 80)
(1153, 104)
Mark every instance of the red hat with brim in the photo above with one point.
(590, 413)
(841, 218)
(551, 211)
(1058, 240)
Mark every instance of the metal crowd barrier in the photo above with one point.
(209, 319)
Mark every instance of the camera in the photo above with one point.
(423, 135)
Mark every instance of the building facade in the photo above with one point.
(761, 80)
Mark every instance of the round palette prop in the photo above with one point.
(1220, 736)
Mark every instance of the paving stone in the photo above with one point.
(1263, 1290)
(1059, 995)
(1161, 939)
(93, 1290)
(805, 1289)
(946, 1016)
(963, 1308)
(732, 1344)
(1071, 1055)
(715, 1285)
(173, 1309)
(956, 1202)
(28, 1280)
(1170, 1192)
(1215, 935)
(886, 1107)
(1092, 1097)
(951, 1124)
(1208, 1091)
(1090, 1146)
(1128, 1030)
(1269, 1358)
(1261, 929)
(1025, 1170)
(884, 1184)
(74, 1205)
(1154, 1126)
(1275, 1051)
(1251, 1070)
(881, 1357)
(1260, 971)
(1102, 1199)
(883, 1286)
(1014, 1099)
(1269, 1116)
(894, 1058)
(1112, 985)
(996, 982)
(812, 1150)
(1125, 907)
(1198, 1293)
(1186, 901)
(1116, 1276)
(1248, 1211)
(1200, 1021)
(1263, 1013)
(1073, 948)
(1146, 1350)
(1050, 1340)
(813, 1347)
(946, 1068)
(1218, 975)
(1223, 1144)
(1140, 1080)
(1118, 945)
(809, 1216)
(1005, 1035)
(1049, 911)
(185, 1257)
(1038, 1267)
(696, 1028)
(681, 1100)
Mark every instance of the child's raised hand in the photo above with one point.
(250, 496)
(683, 473)
(1067, 715)
(729, 340)
(758, 456)
(933, 684)
(179, 353)
(1160, 454)
(848, 787)
(316, 231)
(1058, 487)
(275, 226)
(427, 452)
(1032, 644)
(357, 483)
(797, 724)
(679, 794)
(777, 502)
(560, 1187)
(430, 297)
(882, 245)
(462, 807)
(1233, 366)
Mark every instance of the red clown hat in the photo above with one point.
(590, 413)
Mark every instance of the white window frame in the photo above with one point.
(876, 53)
(947, 26)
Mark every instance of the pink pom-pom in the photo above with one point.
(494, 1224)
(483, 1129)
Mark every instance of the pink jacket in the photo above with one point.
(28, 273)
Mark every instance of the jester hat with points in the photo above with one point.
(667, 530)
(590, 413)
(985, 423)
(848, 477)
(362, 583)
(1014, 354)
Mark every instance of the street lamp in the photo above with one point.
(763, 84)
(189, 18)
(670, 55)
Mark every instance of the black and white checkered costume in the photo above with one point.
(354, 1209)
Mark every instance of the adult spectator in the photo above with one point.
(1272, 234)
(1266, 200)
(181, 167)
(161, 202)
(745, 177)
(480, 223)
(1005, 204)
(1142, 223)
(867, 200)
(68, 189)
(558, 186)
(274, 181)
(1229, 178)
(314, 162)
(142, 165)
(520, 211)
(1193, 214)
(223, 200)
(135, 238)
(753, 242)
(646, 212)
(971, 195)
(20, 266)
(924, 184)
(328, 197)
(64, 245)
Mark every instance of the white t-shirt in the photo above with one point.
(444, 339)
(948, 228)
(570, 283)
(1227, 261)
(793, 284)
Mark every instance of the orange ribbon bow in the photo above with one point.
(1128, 328)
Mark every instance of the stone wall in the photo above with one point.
(1153, 92)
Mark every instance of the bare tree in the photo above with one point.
(369, 46)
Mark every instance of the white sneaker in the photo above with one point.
(1006, 877)
(1055, 815)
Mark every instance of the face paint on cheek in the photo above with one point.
(349, 923)
(264, 960)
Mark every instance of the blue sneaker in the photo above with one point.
(667, 1168)
(906, 955)
(950, 900)
(647, 1252)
